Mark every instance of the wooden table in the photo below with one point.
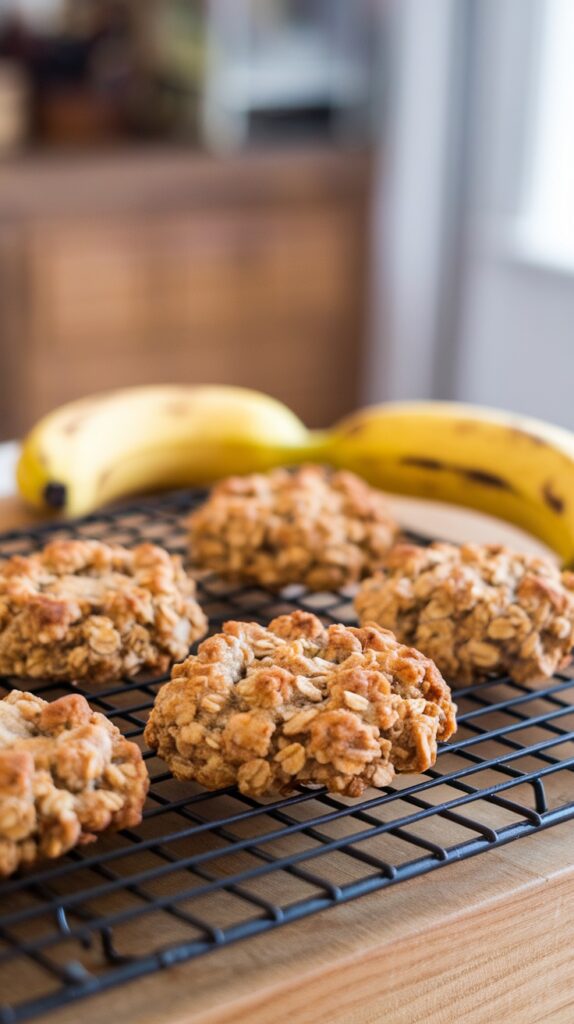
(485, 941)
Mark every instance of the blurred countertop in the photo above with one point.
(168, 175)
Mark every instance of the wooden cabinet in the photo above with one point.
(248, 271)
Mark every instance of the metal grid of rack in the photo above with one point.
(207, 869)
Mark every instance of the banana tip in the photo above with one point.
(55, 494)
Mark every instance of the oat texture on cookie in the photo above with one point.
(66, 774)
(297, 703)
(475, 610)
(82, 609)
(312, 526)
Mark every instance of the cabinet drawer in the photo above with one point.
(235, 272)
(89, 284)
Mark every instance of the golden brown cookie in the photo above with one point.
(66, 773)
(475, 610)
(312, 526)
(80, 609)
(269, 708)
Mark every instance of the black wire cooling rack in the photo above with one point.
(207, 869)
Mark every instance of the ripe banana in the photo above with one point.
(510, 466)
(94, 451)
(98, 449)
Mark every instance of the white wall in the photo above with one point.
(462, 308)
(411, 202)
(516, 333)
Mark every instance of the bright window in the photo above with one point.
(547, 227)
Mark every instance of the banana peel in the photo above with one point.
(99, 449)
(516, 468)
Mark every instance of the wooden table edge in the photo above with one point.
(384, 980)
(486, 940)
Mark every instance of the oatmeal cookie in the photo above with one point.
(269, 708)
(475, 610)
(66, 773)
(312, 526)
(80, 609)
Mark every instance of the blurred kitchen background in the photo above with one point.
(335, 202)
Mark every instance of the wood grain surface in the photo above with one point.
(485, 941)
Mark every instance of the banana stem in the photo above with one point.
(315, 449)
